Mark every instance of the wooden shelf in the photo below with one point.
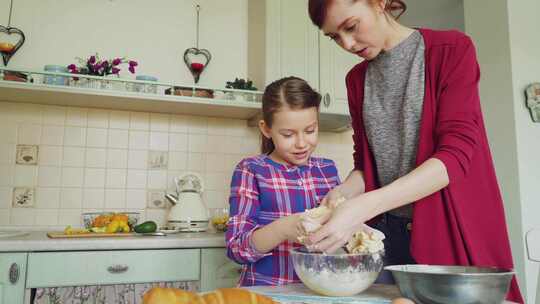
(12, 91)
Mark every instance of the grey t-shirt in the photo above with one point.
(393, 99)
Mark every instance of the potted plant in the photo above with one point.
(242, 84)
(96, 66)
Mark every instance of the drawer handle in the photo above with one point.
(326, 100)
(118, 268)
(14, 273)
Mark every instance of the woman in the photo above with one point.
(423, 172)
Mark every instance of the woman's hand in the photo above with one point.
(346, 219)
(332, 198)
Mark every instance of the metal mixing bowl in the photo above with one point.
(429, 284)
(336, 274)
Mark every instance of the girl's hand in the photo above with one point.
(332, 198)
(346, 219)
(288, 227)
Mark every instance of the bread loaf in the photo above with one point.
(235, 296)
(158, 295)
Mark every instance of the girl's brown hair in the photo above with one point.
(291, 92)
(318, 8)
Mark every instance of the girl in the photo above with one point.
(271, 190)
(423, 171)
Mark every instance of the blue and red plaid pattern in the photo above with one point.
(262, 191)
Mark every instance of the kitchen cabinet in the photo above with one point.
(12, 277)
(74, 268)
(295, 47)
(218, 271)
(20, 271)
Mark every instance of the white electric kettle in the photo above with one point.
(188, 213)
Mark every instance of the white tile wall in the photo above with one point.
(96, 159)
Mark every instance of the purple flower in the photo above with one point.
(117, 61)
(72, 67)
(115, 70)
(92, 60)
(133, 63)
(132, 69)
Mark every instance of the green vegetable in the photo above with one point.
(146, 227)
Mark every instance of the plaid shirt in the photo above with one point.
(262, 191)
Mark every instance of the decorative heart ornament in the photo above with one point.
(8, 49)
(197, 60)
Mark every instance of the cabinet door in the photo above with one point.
(335, 63)
(12, 277)
(217, 270)
(292, 42)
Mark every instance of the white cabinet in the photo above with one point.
(12, 277)
(294, 46)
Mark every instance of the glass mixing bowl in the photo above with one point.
(337, 274)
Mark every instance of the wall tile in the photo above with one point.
(7, 173)
(157, 179)
(73, 157)
(6, 194)
(76, 117)
(137, 159)
(178, 142)
(179, 124)
(72, 177)
(159, 122)
(25, 176)
(139, 121)
(116, 178)
(8, 132)
(119, 120)
(199, 143)
(196, 162)
(49, 176)
(54, 115)
(98, 118)
(117, 158)
(75, 136)
(94, 178)
(29, 134)
(118, 139)
(159, 141)
(177, 160)
(197, 125)
(96, 137)
(139, 140)
(96, 158)
(71, 198)
(22, 216)
(115, 199)
(137, 179)
(70, 217)
(4, 217)
(46, 217)
(47, 198)
(93, 198)
(7, 153)
(135, 199)
(52, 135)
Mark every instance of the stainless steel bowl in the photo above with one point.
(429, 284)
(336, 274)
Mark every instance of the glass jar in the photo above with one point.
(143, 87)
(52, 79)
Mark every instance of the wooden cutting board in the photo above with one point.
(62, 235)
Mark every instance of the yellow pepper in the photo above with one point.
(117, 226)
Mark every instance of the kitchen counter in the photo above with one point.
(300, 294)
(39, 241)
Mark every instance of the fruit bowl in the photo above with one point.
(337, 274)
(88, 218)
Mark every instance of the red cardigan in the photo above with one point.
(464, 223)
